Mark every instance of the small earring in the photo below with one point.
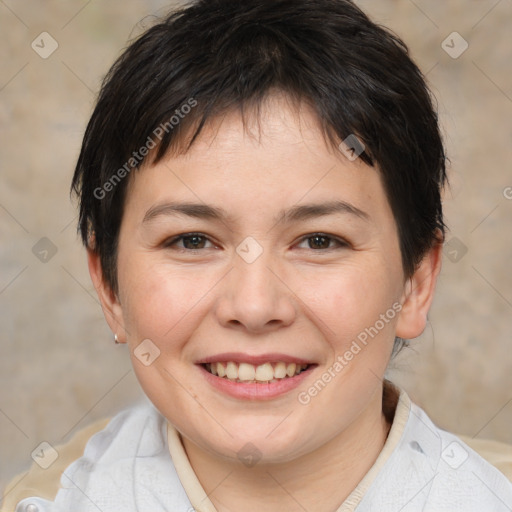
(116, 340)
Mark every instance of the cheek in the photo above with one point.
(158, 302)
(162, 311)
(350, 300)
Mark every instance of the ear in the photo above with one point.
(418, 295)
(108, 299)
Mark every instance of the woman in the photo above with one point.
(259, 192)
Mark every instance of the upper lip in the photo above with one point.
(238, 357)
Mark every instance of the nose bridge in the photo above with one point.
(255, 279)
(254, 296)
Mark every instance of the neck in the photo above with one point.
(318, 481)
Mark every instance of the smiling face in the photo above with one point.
(252, 263)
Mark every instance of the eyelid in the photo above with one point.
(340, 241)
(172, 241)
(169, 242)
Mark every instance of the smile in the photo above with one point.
(248, 373)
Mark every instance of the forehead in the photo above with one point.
(274, 156)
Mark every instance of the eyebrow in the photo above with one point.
(196, 210)
(294, 214)
(311, 211)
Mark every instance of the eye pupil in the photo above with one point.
(319, 242)
(193, 242)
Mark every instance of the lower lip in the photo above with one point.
(256, 391)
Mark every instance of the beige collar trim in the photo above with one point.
(395, 433)
(195, 492)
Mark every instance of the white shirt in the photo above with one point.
(138, 464)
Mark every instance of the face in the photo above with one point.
(261, 286)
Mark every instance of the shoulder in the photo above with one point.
(433, 470)
(124, 434)
(461, 477)
(37, 481)
(45, 482)
(496, 453)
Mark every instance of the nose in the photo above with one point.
(255, 298)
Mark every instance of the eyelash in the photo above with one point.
(173, 241)
(341, 244)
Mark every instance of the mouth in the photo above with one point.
(247, 373)
(250, 377)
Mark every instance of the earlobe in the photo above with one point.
(109, 301)
(418, 294)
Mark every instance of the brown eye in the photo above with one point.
(190, 241)
(319, 242)
(194, 242)
(322, 241)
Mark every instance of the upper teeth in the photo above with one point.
(245, 372)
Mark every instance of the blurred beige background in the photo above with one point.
(59, 369)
